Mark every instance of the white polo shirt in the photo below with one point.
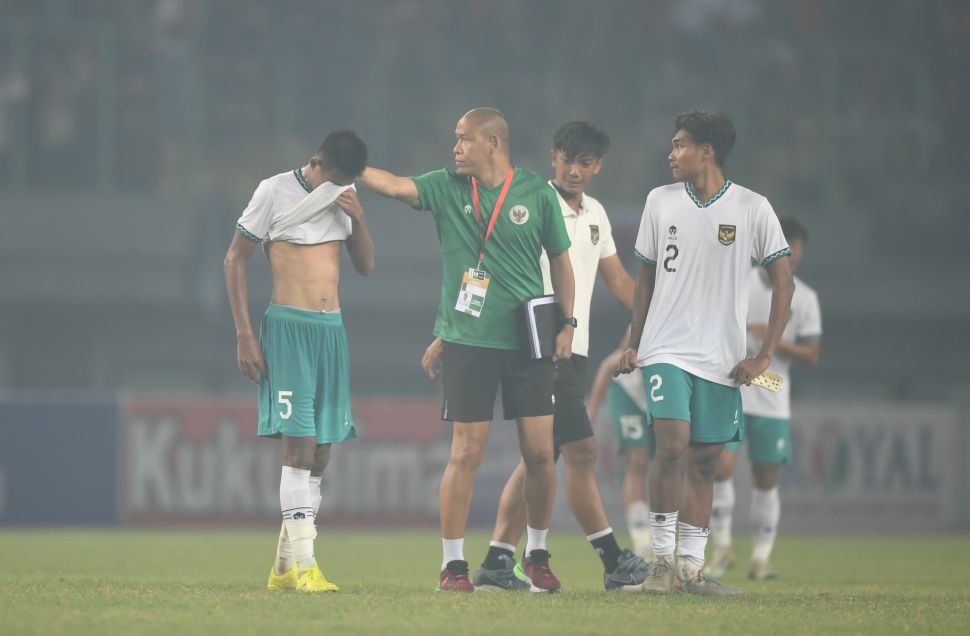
(805, 323)
(592, 240)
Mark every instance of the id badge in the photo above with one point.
(471, 295)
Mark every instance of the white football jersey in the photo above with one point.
(703, 253)
(805, 323)
(285, 208)
(591, 239)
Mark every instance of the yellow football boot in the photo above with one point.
(313, 580)
(285, 581)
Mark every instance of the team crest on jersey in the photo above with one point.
(726, 234)
(594, 234)
(519, 214)
(672, 231)
(468, 208)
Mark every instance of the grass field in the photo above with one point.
(208, 582)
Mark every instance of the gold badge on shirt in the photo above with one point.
(594, 234)
(726, 234)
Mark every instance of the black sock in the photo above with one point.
(608, 550)
(492, 558)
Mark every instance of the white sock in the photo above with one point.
(664, 528)
(536, 540)
(765, 512)
(638, 525)
(315, 496)
(453, 550)
(722, 513)
(284, 550)
(692, 541)
(297, 507)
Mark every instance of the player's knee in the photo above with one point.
(581, 455)
(671, 450)
(765, 476)
(705, 470)
(468, 456)
(537, 458)
(703, 467)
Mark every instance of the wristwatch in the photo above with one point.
(570, 321)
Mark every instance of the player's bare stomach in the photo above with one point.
(306, 276)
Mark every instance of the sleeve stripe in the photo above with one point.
(644, 259)
(247, 234)
(774, 257)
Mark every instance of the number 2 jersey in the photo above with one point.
(703, 253)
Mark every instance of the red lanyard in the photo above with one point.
(495, 212)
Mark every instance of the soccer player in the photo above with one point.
(766, 416)
(626, 403)
(300, 362)
(696, 241)
(577, 156)
(493, 222)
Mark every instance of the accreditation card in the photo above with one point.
(471, 296)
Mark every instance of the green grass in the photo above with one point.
(202, 582)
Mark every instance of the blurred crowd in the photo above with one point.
(180, 97)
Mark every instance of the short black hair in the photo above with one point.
(345, 151)
(709, 128)
(578, 138)
(793, 230)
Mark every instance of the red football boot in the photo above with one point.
(454, 578)
(536, 568)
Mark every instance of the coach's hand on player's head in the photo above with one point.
(249, 357)
(628, 362)
(750, 368)
(348, 202)
(431, 360)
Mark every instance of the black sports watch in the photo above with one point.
(570, 321)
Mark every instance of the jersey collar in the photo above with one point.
(568, 209)
(298, 173)
(706, 204)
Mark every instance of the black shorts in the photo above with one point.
(572, 422)
(471, 377)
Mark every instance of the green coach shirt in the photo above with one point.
(530, 221)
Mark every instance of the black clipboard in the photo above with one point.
(541, 319)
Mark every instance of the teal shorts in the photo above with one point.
(768, 438)
(629, 423)
(713, 410)
(307, 393)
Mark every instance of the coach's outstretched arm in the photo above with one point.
(564, 285)
(390, 185)
(642, 294)
(782, 289)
